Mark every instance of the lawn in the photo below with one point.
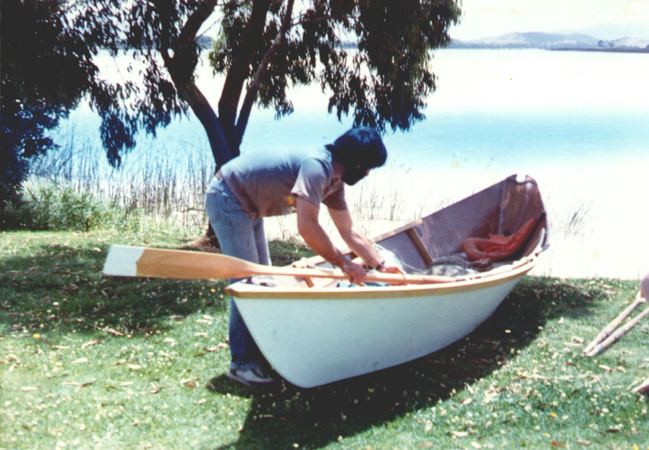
(93, 362)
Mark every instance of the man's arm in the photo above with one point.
(316, 238)
(357, 242)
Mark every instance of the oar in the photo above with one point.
(610, 328)
(617, 334)
(130, 261)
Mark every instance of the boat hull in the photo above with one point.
(314, 334)
(315, 341)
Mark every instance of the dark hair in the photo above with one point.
(358, 150)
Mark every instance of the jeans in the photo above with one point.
(243, 237)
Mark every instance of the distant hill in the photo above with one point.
(554, 41)
(626, 43)
(547, 41)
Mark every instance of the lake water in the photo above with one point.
(578, 122)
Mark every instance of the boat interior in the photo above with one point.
(434, 244)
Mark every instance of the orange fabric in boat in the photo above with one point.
(497, 246)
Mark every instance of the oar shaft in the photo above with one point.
(610, 328)
(181, 264)
(392, 278)
(613, 338)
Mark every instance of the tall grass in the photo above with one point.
(166, 185)
(150, 182)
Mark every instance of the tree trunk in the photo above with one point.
(221, 129)
(239, 72)
(221, 151)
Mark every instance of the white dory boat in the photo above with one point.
(320, 334)
(313, 332)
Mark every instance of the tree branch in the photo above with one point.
(238, 72)
(194, 22)
(177, 67)
(316, 20)
(221, 150)
(255, 82)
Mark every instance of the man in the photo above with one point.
(254, 186)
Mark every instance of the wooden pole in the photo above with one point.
(610, 328)
(599, 348)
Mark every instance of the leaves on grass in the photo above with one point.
(189, 383)
(90, 343)
(217, 347)
(113, 332)
(493, 388)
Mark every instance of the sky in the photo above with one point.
(604, 19)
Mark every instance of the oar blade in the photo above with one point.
(121, 261)
(127, 261)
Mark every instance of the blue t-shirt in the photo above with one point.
(267, 184)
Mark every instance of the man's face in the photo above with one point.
(355, 174)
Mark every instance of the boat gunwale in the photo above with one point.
(241, 290)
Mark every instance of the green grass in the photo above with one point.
(94, 362)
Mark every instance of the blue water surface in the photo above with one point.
(514, 127)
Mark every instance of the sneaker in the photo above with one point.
(250, 377)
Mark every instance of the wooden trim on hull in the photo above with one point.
(245, 290)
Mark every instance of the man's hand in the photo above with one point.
(380, 267)
(317, 239)
(391, 269)
(357, 273)
(359, 243)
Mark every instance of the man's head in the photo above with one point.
(358, 150)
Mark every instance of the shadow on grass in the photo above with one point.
(315, 417)
(60, 287)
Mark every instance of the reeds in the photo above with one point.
(152, 181)
(169, 185)
(165, 180)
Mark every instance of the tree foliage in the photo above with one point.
(372, 56)
(44, 72)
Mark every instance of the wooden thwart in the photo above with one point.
(421, 247)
